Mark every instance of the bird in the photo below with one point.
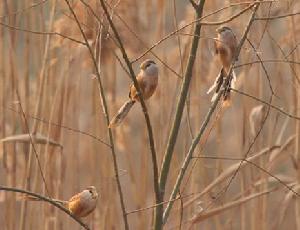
(225, 49)
(147, 80)
(80, 205)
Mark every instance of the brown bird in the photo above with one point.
(225, 49)
(147, 80)
(80, 205)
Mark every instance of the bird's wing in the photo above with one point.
(75, 197)
(233, 46)
(215, 46)
(133, 92)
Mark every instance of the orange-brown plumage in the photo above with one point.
(80, 205)
(147, 80)
(83, 203)
(225, 48)
(147, 88)
(226, 45)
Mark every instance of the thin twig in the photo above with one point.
(105, 110)
(204, 215)
(290, 188)
(266, 103)
(277, 17)
(46, 199)
(188, 120)
(181, 210)
(248, 160)
(23, 9)
(206, 120)
(61, 126)
(38, 108)
(41, 33)
(189, 156)
(32, 144)
(285, 56)
(144, 43)
(143, 105)
(267, 61)
(263, 66)
(197, 21)
(226, 187)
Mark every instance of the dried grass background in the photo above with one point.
(54, 79)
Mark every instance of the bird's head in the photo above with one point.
(93, 191)
(223, 29)
(149, 66)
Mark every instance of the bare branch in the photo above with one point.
(266, 103)
(62, 126)
(205, 215)
(267, 61)
(46, 199)
(144, 108)
(179, 110)
(198, 20)
(105, 110)
(144, 43)
(277, 17)
(32, 145)
(41, 33)
(224, 189)
(290, 188)
(24, 9)
(263, 66)
(249, 160)
(206, 121)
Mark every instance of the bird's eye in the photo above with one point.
(147, 65)
(91, 192)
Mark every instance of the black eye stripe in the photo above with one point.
(149, 63)
(223, 29)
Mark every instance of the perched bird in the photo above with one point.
(225, 49)
(80, 205)
(147, 80)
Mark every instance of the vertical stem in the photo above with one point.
(37, 112)
(297, 154)
(204, 124)
(296, 101)
(158, 196)
(178, 115)
(105, 110)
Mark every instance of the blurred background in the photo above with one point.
(54, 78)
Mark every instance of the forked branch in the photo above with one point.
(179, 111)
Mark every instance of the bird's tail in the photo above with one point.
(122, 113)
(227, 94)
(218, 84)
